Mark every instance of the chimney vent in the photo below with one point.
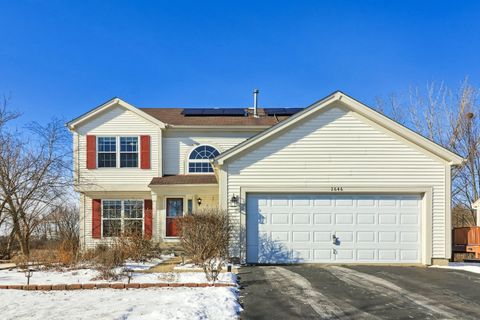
(255, 103)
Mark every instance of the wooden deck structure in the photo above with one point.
(466, 240)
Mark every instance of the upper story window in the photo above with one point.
(199, 159)
(110, 156)
(107, 152)
(128, 152)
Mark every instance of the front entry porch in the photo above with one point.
(175, 196)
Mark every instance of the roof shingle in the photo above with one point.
(174, 116)
(185, 179)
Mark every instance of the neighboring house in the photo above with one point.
(334, 182)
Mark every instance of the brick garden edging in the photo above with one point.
(89, 286)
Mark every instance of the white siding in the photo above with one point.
(339, 148)
(178, 144)
(116, 122)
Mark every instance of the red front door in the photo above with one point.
(174, 211)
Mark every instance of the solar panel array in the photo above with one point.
(199, 112)
(282, 111)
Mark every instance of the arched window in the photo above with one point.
(199, 159)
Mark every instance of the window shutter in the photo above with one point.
(91, 152)
(96, 218)
(145, 152)
(148, 221)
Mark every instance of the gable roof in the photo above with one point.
(72, 124)
(361, 109)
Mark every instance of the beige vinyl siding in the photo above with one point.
(339, 148)
(178, 144)
(119, 121)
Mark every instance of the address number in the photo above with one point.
(336, 189)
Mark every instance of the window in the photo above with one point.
(122, 216)
(112, 218)
(199, 159)
(189, 206)
(128, 152)
(107, 152)
(133, 217)
(109, 156)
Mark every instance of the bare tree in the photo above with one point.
(451, 119)
(34, 174)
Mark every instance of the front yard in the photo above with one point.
(151, 303)
(142, 303)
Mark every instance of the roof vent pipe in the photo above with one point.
(255, 103)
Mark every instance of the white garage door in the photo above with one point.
(333, 228)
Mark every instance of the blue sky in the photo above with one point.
(62, 58)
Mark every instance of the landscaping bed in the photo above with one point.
(154, 271)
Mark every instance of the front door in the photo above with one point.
(174, 211)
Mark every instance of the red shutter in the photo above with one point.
(145, 152)
(147, 207)
(96, 218)
(91, 152)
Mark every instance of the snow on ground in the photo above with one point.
(466, 266)
(85, 275)
(194, 267)
(146, 304)
(17, 276)
(147, 264)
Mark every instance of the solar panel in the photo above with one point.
(234, 112)
(192, 112)
(282, 111)
(212, 112)
(209, 112)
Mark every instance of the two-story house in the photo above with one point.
(333, 182)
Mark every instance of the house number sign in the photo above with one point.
(336, 189)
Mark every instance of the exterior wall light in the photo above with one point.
(234, 200)
(199, 201)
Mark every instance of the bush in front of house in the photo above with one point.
(204, 237)
(108, 258)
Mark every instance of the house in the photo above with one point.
(334, 182)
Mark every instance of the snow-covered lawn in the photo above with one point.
(152, 303)
(466, 266)
(17, 276)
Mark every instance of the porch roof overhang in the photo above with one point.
(185, 184)
(185, 180)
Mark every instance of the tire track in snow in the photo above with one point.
(387, 288)
(301, 291)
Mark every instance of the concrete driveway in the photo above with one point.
(358, 292)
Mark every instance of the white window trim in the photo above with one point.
(200, 160)
(118, 152)
(122, 215)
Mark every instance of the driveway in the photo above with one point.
(358, 292)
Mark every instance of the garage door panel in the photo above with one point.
(369, 228)
(366, 218)
(323, 218)
(301, 218)
(344, 218)
(323, 236)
